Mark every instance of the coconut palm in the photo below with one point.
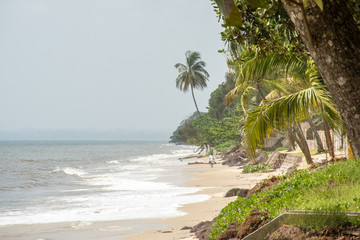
(288, 111)
(256, 73)
(192, 75)
(281, 75)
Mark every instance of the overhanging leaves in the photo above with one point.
(259, 3)
(320, 4)
(230, 12)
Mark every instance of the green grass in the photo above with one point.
(335, 188)
(312, 152)
(252, 168)
(281, 149)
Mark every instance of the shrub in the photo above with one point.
(252, 168)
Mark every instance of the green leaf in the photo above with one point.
(259, 3)
(234, 18)
(230, 11)
(306, 3)
(320, 4)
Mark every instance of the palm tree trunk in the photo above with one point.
(342, 140)
(301, 141)
(197, 109)
(291, 139)
(330, 145)
(320, 147)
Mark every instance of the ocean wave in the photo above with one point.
(113, 162)
(29, 160)
(70, 171)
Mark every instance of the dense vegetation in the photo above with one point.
(273, 83)
(323, 32)
(332, 189)
(282, 72)
(220, 127)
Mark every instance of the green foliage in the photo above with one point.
(211, 151)
(208, 131)
(319, 219)
(232, 16)
(192, 75)
(280, 113)
(252, 168)
(213, 132)
(281, 149)
(222, 124)
(217, 108)
(185, 132)
(224, 147)
(265, 24)
(333, 189)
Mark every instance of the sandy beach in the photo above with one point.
(215, 182)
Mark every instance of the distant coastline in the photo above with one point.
(112, 134)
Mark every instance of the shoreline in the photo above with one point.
(214, 183)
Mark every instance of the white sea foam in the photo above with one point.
(80, 224)
(151, 158)
(120, 182)
(113, 162)
(70, 171)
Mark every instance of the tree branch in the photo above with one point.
(293, 2)
(306, 23)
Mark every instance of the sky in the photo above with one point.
(103, 64)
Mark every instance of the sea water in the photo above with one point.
(62, 181)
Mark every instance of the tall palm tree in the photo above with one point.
(192, 75)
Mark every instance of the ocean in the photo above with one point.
(68, 181)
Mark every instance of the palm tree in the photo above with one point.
(256, 73)
(288, 111)
(192, 75)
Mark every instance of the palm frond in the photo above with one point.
(279, 113)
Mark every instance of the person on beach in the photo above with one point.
(211, 160)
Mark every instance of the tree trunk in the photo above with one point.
(329, 142)
(197, 109)
(342, 141)
(320, 147)
(301, 141)
(290, 139)
(333, 40)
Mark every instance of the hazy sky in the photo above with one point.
(102, 64)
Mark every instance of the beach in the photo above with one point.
(213, 182)
(216, 182)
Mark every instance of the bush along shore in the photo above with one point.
(331, 189)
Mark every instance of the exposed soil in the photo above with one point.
(202, 230)
(327, 233)
(265, 185)
(235, 157)
(254, 221)
(287, 232)
(238, 231)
